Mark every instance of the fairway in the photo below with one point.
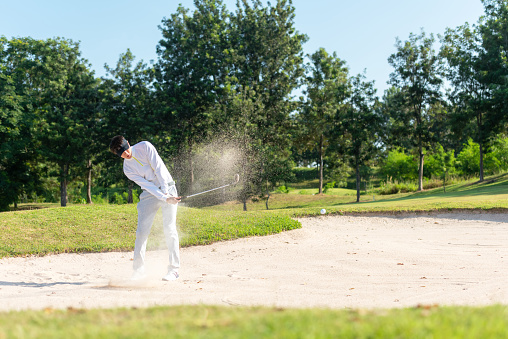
(333, 261)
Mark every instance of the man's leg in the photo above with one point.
(172, 240)
(148, 206)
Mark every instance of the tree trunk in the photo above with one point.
(245, 205)
(358, 182)
(191, 168)
(481, 162)
(420, 146)
(267, 196)
(480, 142)
(89, 183)
(321, 165)
(420, 171)
(444, 181)
(64, 172)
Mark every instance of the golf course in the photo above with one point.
(254, 169)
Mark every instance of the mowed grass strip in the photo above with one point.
(72, 229)
(240, 322)
(492, 195)
(100, 228)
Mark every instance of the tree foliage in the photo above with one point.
(327, 85)
(360, 125)
(417, 70)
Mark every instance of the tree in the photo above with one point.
(191, 76)
(361, 124)
(469, 93)
(217, 68)
(127, 101)
(417, 75)
(493, 65)
(93, 123)
(13, 165)
(65, 80)
(267, 55)
(326, 89)
(19, 95)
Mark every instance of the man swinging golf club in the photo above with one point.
(143, 165)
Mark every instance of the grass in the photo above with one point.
(258, 322)
(491, 194)
(98, 228)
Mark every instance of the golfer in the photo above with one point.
(143, 165)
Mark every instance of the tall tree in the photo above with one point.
(127, 101)
(65, 79)
(268, 61)
(361, 124)
(493, 64)
(469, 95)
(93, 122)
(417, 70)
(15, 171)
(327, 85)
(243, 131)
(19, 95)
(191, 75)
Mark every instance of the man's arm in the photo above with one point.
(145, 184)
(161, 172)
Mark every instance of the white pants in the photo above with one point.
(148, 206)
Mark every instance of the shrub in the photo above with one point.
(439, 162)
(283, 189)
(469, 158)
(394, 188)
(497, 159)
(99, 199)
(328, 186)
(399, 165)
(122, 198)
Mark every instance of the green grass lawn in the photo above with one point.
(97, 228)
(100, 228)
(491, 194)
(257, 322)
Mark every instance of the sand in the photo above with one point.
(332, 262)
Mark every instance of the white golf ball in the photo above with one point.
(323, 211)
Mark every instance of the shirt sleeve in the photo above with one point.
(144, 184)
(159, 168)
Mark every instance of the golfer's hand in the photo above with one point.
(173, 200)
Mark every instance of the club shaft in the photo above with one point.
(213, 189)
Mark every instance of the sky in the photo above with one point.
(361, 32)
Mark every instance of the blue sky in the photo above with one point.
(362, 32)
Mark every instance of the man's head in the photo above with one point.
(120, 147)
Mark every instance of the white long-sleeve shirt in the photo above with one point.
(147, 169)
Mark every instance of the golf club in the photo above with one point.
(237, 178)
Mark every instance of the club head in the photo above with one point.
(237, 179)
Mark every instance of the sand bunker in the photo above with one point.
(333, 262)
